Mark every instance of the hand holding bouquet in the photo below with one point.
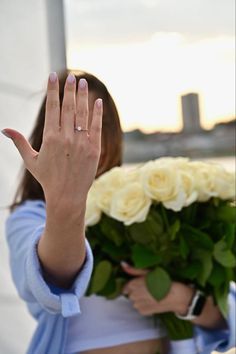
(172, 216)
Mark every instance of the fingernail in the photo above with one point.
(99, 102)
(53, 77)
(70, 79)
(5, 133)
(82, 84)
(124, 264)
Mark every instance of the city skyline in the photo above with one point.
(149, 53)
(147, 84)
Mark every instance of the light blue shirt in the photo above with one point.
(52, 307)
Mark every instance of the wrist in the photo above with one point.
(211, 316)
(65, 209)
(195, 307)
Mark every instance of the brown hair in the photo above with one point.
(29, 188)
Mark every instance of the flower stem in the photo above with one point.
(177, 329)
(165, 219)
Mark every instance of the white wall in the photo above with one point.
(31, 45)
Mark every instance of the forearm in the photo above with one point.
(61, 248)
(210, 317)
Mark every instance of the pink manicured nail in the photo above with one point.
(5, 133)
(124, 264)
(70, 79)
(82, 84)
(99, 102)
(53, 77)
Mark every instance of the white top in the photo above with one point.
(106, 323)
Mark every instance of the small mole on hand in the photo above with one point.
(67, 155)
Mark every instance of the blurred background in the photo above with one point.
(169, 65)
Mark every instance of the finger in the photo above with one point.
(68, 106)
(133, 271)
(82, 110)
(52, 116)
(130, 287)
(96, 124)
(23, 146)
(126, 290)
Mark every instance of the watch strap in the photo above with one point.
(195, 308)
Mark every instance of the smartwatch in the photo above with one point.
(195, 308)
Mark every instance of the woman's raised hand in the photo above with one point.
(65, 167)
(67, 162)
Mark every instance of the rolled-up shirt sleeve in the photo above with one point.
(24, 228)
(220, 340)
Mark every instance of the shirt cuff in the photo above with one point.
(64, 302)
(231, 342)
(185, 346)
(219, 340)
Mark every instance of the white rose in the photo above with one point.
(176, 161)
(187, 192)
(106, 185)
(189, 185)
(224, 182)
(204, 179)
(162, 183)
(93, 212)
(132, 175)
(130, 204)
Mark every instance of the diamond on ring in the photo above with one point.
(80, 129)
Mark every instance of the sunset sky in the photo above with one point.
(150, 52)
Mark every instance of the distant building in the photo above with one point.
(191, 113)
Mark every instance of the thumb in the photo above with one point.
(23, 146)
(133, 271)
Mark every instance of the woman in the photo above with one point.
(76, 138)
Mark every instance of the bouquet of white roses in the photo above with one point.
(175, 217)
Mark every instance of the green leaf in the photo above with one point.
(158, 283)
(101, 276)
(217, 276)
(140, 233)
(191, 271)
(221, 296)
(188, 214)
(223, 255)
(143, 258)
(147, 231)
(230, 274)
(197, 238)
(226, 213)
(174, 229)
(119, 284)
(204, 224)
(183, 247)
(109, 288)
(112, 229)
(177, 329)
(230, 235)
(205, 259)
(164, 214)
(114, 252)
(156, 222)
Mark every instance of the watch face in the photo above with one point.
(199, 305)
